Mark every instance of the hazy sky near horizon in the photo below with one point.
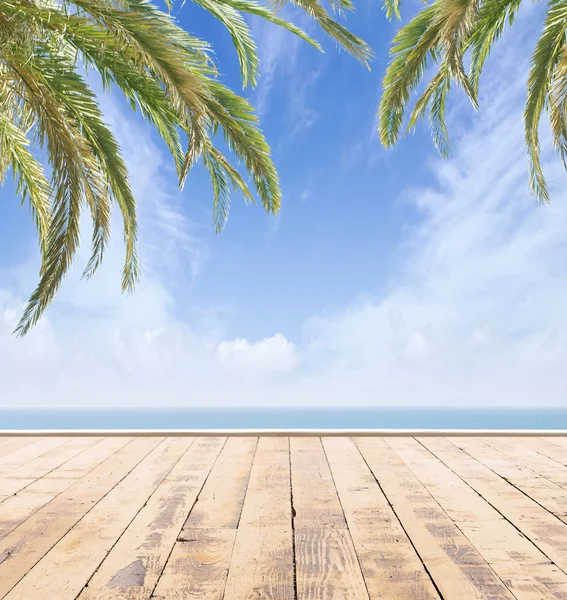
(388, 278)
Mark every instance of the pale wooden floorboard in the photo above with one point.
(327, 566)
(546, 493)
(8, 445)
(457, 568)
(546, 447)
(21, 456)
(300, 518)
(199, 563)
(545, 530)
(392, 569)
(69, 565)
(21, 477)
(532, 459)
(220, 502)
(24, 547)
(132, 568)
(526, 571)
(262, 559)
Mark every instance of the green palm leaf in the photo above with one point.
(163, 71)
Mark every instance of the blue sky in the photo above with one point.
(388, 278)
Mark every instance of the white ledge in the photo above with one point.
(288, 432)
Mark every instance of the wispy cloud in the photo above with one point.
(278, 50)
(284, 72)
(475, 316)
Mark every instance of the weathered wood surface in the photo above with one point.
(283, 518)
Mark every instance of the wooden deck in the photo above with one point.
(243, 518)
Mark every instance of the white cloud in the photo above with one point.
(281, 60)
(273, 354)
(278, 50)
(476, 316)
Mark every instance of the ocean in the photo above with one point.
(285, 418)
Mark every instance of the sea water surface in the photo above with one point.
(285, 418)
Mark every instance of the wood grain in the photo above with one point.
(198, 566)
(220, 501)
(457, 568)
(391, 568)
(315, 498)
(545, 492)
(21, 549)
(280, 518)
(529, 457)
(132, 568)
(262, 559)
(21, 477)
(545, 530)
(526, 571)
(68, 566)
(20, 456)
(8, 445)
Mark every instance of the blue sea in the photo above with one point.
(285, 418)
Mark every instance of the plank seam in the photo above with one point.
(34, 457)
(240, 517)
(131, 520)
(542, 453)
(457, 524)
(135, 515)
(513, 484)
(345, 518)
(293, 515)
(75, 524)
(151, 595)
(434, 583)
(54, 468)
(523, 465)
(494, 507)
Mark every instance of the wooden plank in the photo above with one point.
(220, 501)
(44, 464)
(544, 492)
(327, 565)
(268, 497)
(19, 507)
(560, 441)
(8, 445)
(88, 459)
(530, 458)
(315, 498)
(17, 458)
(526, 571)
(391, 568)
(67, 567)
(28, 543)
(455, 565)
(132, 568)
(198, 566)
(548, 449)
(262, 560)
(326, 562)
(542, 528)
(23, 476)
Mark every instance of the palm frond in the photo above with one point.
(163, 71)
(491, 21)
(31, 182)
(546, 57)
(346, 40)
(439, 34)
